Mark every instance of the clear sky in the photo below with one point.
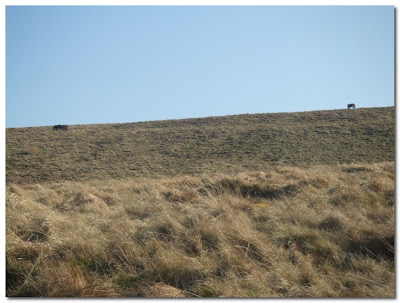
(114, 64)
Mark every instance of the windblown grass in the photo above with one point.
(195, 146)
(283, 231)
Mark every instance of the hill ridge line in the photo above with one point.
(206, 117)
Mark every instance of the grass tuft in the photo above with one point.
(240, 206)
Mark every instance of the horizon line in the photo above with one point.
(193, 118)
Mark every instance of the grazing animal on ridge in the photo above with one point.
(352, 105)
(62, 127)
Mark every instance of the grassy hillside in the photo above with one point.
(193, 146)
(266, 205)
(324, 231)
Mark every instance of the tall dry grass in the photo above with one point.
(322, 231)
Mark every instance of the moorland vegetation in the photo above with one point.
(266, 205)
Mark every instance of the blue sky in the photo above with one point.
(114, 64)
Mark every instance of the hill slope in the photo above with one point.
(323, 231)
(236, 206)
(192, 146)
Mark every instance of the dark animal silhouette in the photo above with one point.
(352, 105)
(60, 127)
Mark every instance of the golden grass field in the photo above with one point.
(193, 208)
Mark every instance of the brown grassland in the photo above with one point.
(266, 205)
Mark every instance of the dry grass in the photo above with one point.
(321, 231)
(197, 146)
(266, 205)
